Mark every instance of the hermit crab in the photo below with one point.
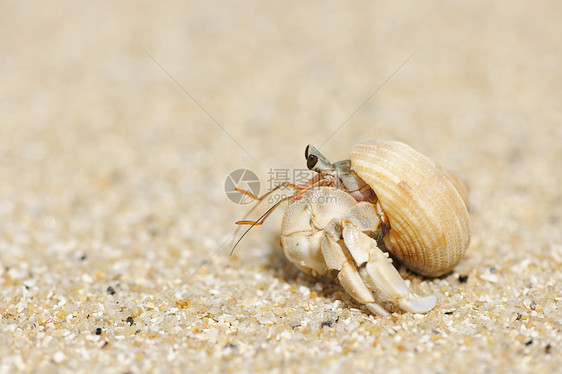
(386, 198)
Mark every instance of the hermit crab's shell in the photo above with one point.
(425, 205)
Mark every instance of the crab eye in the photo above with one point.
(311, 161)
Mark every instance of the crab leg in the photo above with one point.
(337, 258)
(379, 273)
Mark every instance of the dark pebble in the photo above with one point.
(547, 349)
(529, 342)
(463, 278)
(98, 331)
(130, 320)
(326, 323)
(110, 290)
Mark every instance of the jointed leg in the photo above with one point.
(338, 258)
(379, 273)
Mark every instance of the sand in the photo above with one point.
(120, 122)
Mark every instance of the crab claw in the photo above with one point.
(418, 304)
(380, 275)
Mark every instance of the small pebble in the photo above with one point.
(491, 277)
(59, 357)
(110, 290)
(463, 278)
(529, 342)
(294, 324)
(547, 349)
(98, 331)
(130, 320)
(326, 323)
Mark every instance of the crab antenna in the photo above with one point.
(316, 161)
(259, 221)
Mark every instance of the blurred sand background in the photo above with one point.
(112, 181)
